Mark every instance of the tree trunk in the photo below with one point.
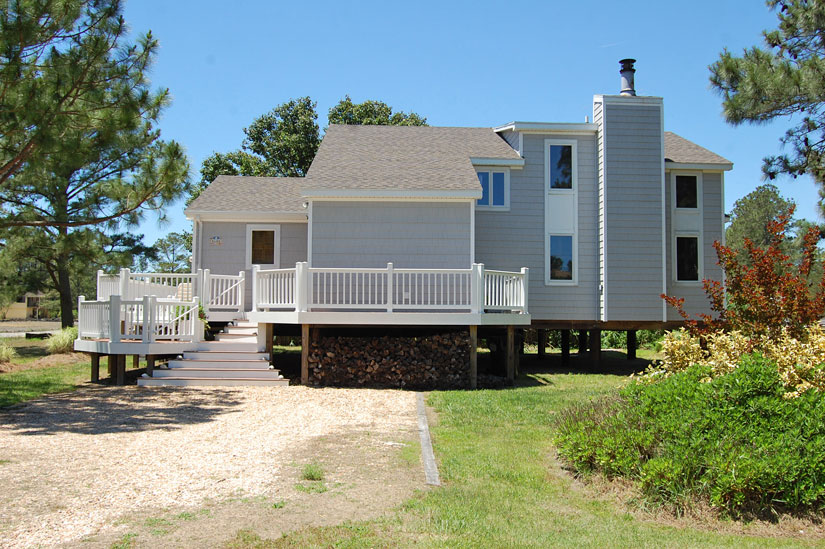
(64, 287)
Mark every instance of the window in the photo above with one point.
(495, 190)
(687, 258)
(561, 167)
(263, 246)
(561, 257)
(686, 191)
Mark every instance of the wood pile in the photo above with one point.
(433, 361)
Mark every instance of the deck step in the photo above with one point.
(214, 373)
(227, 346)
(221, 355)
(237, 337)
(241, 330)
(220, 364)
(207, 381)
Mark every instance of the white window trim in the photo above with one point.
(556, 282)
(491, 171)
(548, 195)
(269, 227)
(699, 212)
(700, 258)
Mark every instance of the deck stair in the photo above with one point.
(233, 359)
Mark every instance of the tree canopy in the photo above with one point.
(283, 142)
(782, 79)
(82, 156)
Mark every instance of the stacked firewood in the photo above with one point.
(428, 362)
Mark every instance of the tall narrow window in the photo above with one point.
(686, 192)
(561, 257)
(687, 258)
(561, 167)
(263, 247)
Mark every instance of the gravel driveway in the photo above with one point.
(72, 465)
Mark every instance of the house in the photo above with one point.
(444, 228)
(25, 306)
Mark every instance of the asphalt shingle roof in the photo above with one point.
(409, 158)
(678, 149)
(234, 193)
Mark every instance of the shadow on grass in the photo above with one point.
(94, 411)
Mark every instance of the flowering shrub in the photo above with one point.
(799, 361)
(766, 296)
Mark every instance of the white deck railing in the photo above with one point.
(146, 320)
(389, 290)
(223, 293)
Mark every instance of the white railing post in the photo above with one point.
(302, 286)
(476, 282)
(153, 318)
(99, 275)
(80, 325)
(482, 285)
(197, 324)
(525, 285)
(206, 290)
(114, 318)
(197, 283)
(255, 287)
(147, 319)
(241, 291)
(390, 285)
(124, 283)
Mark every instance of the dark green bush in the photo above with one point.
(736, 442)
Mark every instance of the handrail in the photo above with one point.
(146, 319)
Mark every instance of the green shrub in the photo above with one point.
(313, 471)
(7, 352)
(734, 441)
(62, 341)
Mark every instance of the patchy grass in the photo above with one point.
(126, 542)
(278, 504)
(312, 488)
(313, 471)
(503, 486)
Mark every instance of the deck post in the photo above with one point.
(525, 286)
(150, 365)
(95, 367)
(207, 284)
(301, 286)
(269, 336)
(147, 319)
(124, 283)
(565, 346)
(114, 317)
(631, 345)
(135, 362)
(582, 342)
(476, 280)
(242, 291)
(510, 367)
(541, 337)
(596, 346)
(304, 354)
(255, 286)
(121, 370)
(149, 329)
(473, 356)
(111, 365)
(390, 286)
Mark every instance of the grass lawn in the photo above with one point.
(32, 376)
(503, 486)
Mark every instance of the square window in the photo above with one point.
(686, 193)
(484, 179)
(561, 167)
(263, 247)
(498, 189)
(561, 258)
(687, 258)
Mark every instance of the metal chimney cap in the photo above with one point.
(627, 65)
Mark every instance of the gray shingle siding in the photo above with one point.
(408, 234)
(230, 256)
(515, 239)
(633, 159)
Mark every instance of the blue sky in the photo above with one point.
(457, 63)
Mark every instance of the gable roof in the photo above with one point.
(235, 193)
(402, 161)
(681, 151)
